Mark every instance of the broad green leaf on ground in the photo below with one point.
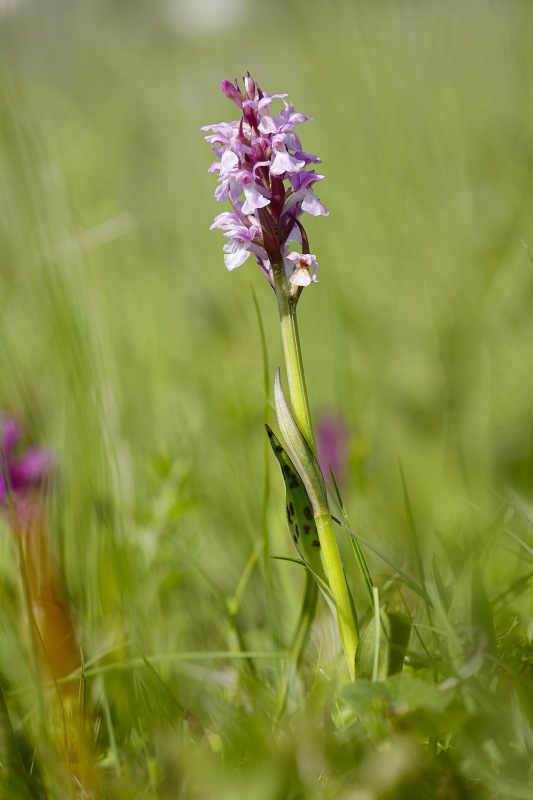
(401, 692)
(409, 693)
(404, 702)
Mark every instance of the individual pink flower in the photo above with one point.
(302, 266)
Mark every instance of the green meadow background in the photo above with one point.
(127, 347)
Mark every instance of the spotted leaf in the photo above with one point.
(299, 510)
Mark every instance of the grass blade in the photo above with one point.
(359, 557)
(412, 527)
(409, 581)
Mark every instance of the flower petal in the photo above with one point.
(236, 259)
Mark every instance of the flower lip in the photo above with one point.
(303, 262)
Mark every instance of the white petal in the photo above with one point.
(254, 199)
(234, 260)
(312, 205)
(269, 124)
(228, 161)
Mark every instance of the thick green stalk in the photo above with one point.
(346, 619)
(295, 371)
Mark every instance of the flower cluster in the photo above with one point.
(260, 156)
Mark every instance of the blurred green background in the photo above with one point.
(127, 347)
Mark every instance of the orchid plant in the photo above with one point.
(260, 157)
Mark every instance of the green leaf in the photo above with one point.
(299, 510)
(392, 641)
(301, 454)
(402, 692)
(365, 697)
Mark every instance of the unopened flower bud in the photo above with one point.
(230, 91)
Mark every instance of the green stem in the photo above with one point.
(346, 618)
(294, 362)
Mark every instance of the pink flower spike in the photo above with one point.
(261, 156)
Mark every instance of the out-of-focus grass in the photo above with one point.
(127, 347)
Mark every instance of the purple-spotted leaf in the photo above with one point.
(299, 510)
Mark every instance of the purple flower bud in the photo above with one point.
(231, 92)
(249, 86)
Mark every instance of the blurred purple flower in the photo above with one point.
(26, 471)
(261, 155)
(332, 438)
